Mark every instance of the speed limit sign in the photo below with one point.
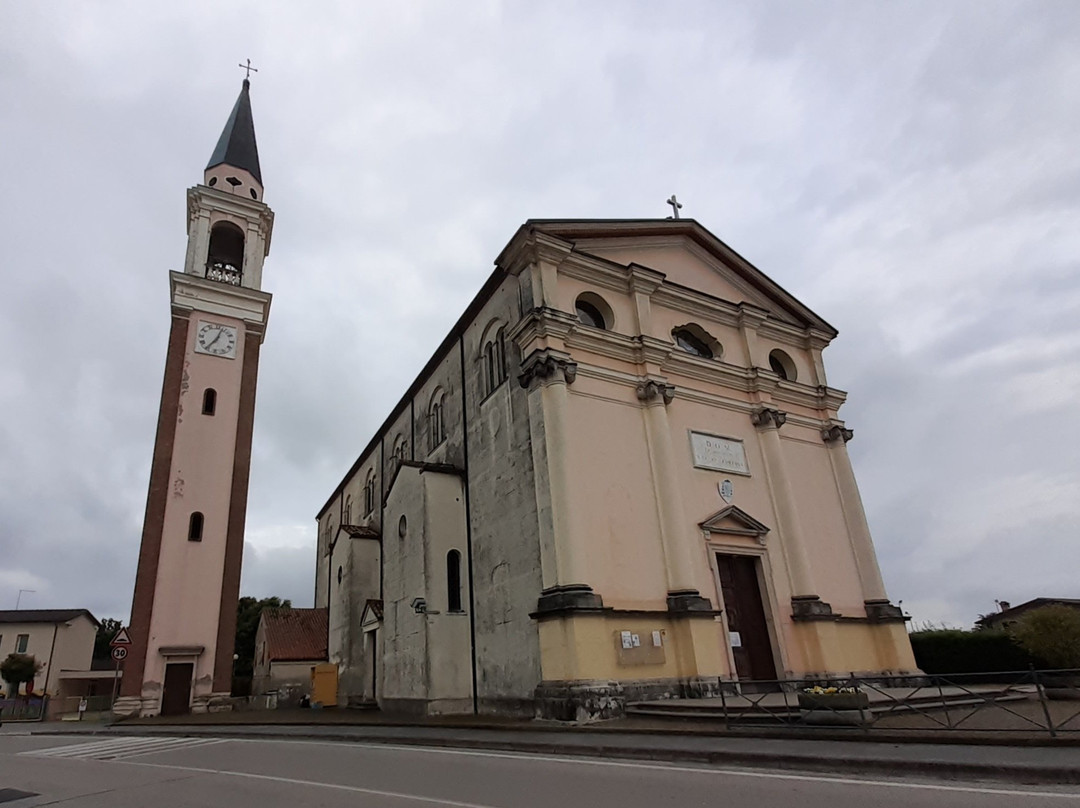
(119, 652)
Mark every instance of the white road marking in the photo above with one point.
(713, 770)
(120, 748)
(335, 786)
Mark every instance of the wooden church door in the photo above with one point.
(745, 617)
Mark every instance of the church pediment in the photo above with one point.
(734, 521)
(687, 255)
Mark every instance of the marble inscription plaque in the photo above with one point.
(719, 454)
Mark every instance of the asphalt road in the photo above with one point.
(164, 772)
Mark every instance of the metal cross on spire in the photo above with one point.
(249, 69)
(676, 206)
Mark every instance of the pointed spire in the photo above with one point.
(236, 146)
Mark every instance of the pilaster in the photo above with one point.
(655, 395)
(878, 607)
(805, 603)
(546, 375)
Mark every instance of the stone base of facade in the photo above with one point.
(127, 706)
(584, 701)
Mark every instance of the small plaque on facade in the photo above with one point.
(719, 454)
(727, 491)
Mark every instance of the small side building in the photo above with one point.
(62, 640)
(288, 644)
(1008, 614)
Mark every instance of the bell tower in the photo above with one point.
(183, 614)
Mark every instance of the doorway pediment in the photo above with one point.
(734, 521)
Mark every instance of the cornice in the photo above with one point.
(529, 246)
(192, 293)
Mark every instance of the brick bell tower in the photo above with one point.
(183, 615)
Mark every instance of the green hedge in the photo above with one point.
(955, 651)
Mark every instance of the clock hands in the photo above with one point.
(210, 344)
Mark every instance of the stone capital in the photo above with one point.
(768, 418)
(835, 433)
(547, 366)
(651, 389)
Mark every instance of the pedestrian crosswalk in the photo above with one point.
(121, 748)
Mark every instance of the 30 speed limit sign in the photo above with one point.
(119, 652)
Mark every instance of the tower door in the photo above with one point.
(745, 617)
(176, 698)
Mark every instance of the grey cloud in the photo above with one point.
(906, 169)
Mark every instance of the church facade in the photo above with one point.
(622, 476)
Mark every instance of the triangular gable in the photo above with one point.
(734, 521)
(689, 255)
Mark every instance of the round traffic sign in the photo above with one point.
(119, 652)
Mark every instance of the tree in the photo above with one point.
(1051, 633)
(18, 668)
(248, 611)
(106, 631)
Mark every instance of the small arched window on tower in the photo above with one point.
(209, 401)
(453, 581)
(225, 258)
(195, 526)
(346, 516)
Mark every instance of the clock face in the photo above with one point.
(216, 340)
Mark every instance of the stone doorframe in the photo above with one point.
(768, 601)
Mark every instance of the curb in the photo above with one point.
(880, 766)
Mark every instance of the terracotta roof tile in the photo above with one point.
(295, 634)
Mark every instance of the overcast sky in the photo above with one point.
(910, 170)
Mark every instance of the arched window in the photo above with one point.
(493, 369)
(209, 401)
(436, 420)
(695, 340)
(500, 355)
(195, 526)
(592, 310)
(346, 516)
(401, 448)
(369, 493)
(453, 581)
(225, 257)
(781, 365)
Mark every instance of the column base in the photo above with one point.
(882, 611)
(811, 607)
(688, 600)
(569, 598)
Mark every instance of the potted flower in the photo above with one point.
(838, 706)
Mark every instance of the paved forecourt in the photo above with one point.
(122, 771)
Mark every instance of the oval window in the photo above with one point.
(402, 525)
(588, 314)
